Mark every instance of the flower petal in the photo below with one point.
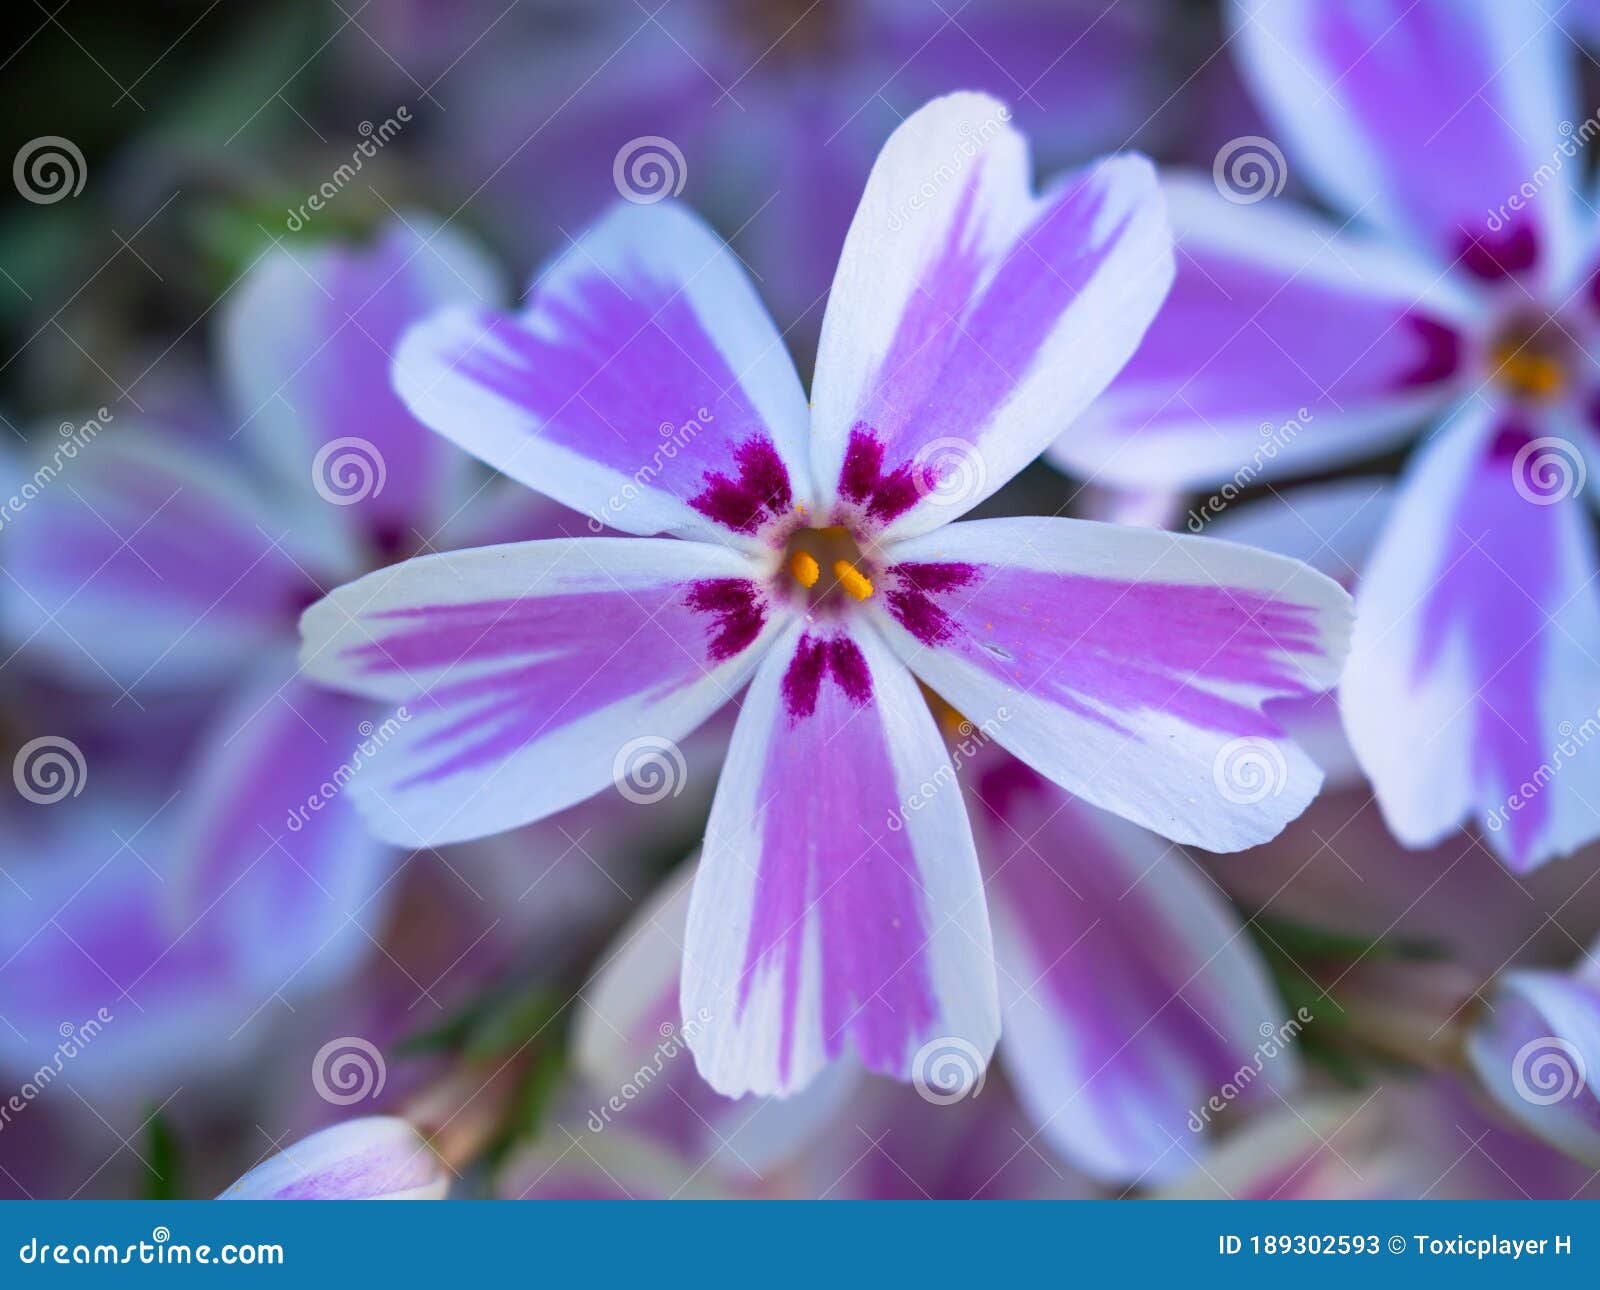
(1474, 633)
(629, 1045)
(378, 1157)
(268, 852)
(971, 322)
(535, 674)
(1129, 665)
(1537, 1051)
(645, 385)
(827, 914)
(1132, 995)
(1428, 116)
(308, 340)
(1332, 527)
(154, 562)
(1285, 345)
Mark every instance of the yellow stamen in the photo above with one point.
(1529, 372)
(852, 579)
(803, 565)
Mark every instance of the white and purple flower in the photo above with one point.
(970, 323)
(1461, 292)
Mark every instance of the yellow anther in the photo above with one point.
(852, 579)
(803, 565)
(1529, 372)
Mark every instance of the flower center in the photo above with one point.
(827, 565)
(1530, 359)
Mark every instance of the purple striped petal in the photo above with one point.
(971, 322)
(631, 1045)
(309, 337)
(1129, 665)
(268, 850)
(533, 675)
(1284, 346)
(1538, 1050)
(1133, 998)
(838, 906)
(1473, 629)
(375, 1158)
(644, 385)
(99, 981)
(1428, 116)
(150, 561)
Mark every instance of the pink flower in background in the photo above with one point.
(969, 324)
(1460, 293)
